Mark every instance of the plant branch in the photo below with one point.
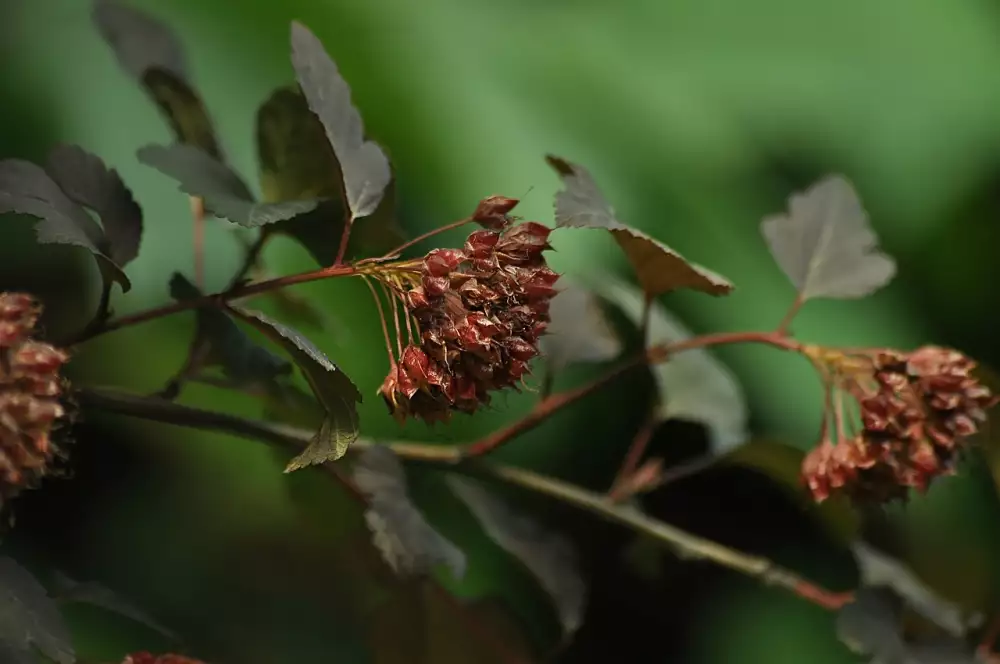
(250, 258)
(215, 299)
(782, 329)
(684, 544)
(429, 234)
(653, 355)
(634, 455)
(198, 214)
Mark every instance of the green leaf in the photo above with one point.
(409, 545)
(578, 330)
(693, 385)
(550, 557)
(331, 387)
(27, 189)
(89, 182)
(150, 52)
(227, 345)
(29, 619)
(658, 268)
(825, 243)
(222, 190)
(364, 166)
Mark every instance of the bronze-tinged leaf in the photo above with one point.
(550, 557)
(29, 620)
(183, 109)
(658, 268)
(693, 385)
(228, 346)
(223, 191)
(296, 161)
(331, 387)
(408, 543)
(25, 188)
(153, 55)
(363, 164)
(825, 243)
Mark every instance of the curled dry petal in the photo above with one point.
(492, 212)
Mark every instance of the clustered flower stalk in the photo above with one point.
(914, 411)
(30, 391)
(471, 317)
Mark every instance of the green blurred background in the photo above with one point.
(698, 117)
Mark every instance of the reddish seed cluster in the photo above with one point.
(916, 412)
(147, 658)
(30, 387)
(480, 311)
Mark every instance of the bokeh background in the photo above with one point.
(698, 117)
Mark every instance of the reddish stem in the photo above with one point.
(634, 455)
(821, 596)
(215, 299)
(345, 238)
(429, 234)
(782, 329)
(198, 212)
(654, 355)
(988, 641)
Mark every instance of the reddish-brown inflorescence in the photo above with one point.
(916, 412)
(30, 389)
(478, 311)
(147, 658)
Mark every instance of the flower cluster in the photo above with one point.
(30, 387)
(479, 312)
(147, 658)
(916, 409)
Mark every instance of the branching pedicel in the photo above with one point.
(459, 324)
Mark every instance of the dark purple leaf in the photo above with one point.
(224, 193)
(365, 168)
(89, 182)
(29, 619)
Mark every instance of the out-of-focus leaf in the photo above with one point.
(658, 268)
(878, 569)
(26, 188)
(183, 109)
(150, 52)
(365, 168)
(579, 331)
(825, 243)
(332, 388)
(783, 464)
(421, 624)
(228, 346)
(86, 180)
(296, 162)
(693, 385)
(409, 544)
(871, 625)
(550, 557)
(95, 594)
(223, 191)
(29, 619)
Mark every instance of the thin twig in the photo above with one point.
(782, 329)
(653, 355)
(429, 234)
(250, 258)
(682, 543)
(215, 299)
(198, 214)
(634, 455)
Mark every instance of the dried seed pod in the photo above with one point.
(30, 391)
(917, 412)
(480, 312)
